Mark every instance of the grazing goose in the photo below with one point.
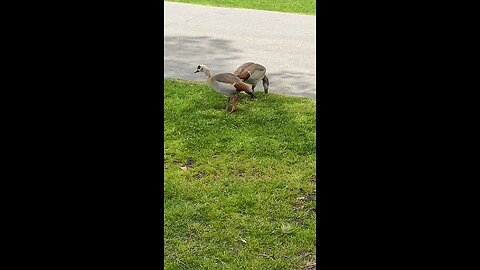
(252, 73)
(227, 84)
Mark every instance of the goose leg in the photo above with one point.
(253, 88)
(228, 103)
(234, 106)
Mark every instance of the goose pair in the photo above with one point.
(252, 73)
(230, 84)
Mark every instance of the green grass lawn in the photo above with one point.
(291, 6)
(239, 187)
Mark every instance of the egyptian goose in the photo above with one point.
(252, 73)
(227, 84)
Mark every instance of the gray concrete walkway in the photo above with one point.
(225, 38)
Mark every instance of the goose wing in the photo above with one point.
(248, 71)
(241, 68)
(233, 80)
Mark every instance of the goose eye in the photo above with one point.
(198, 67)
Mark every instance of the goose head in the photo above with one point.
(204, 69)
(266, 83)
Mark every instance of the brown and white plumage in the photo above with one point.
(227, 84)
(252, 73)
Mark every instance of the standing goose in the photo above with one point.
(227, 84)
(252, 73)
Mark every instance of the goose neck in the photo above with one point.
(208, 73)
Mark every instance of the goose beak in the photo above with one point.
(195, 71)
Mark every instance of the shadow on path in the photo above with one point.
(293, 83)
(182, 55)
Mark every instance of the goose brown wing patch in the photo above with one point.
(244, 75)
(240, 86)
(241, 68)
(227, 78)
(254, 67)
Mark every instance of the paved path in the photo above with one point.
(225, 38)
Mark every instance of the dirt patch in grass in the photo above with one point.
(189, 163)
(309, 197)
(200, 175)
(310, 266)
(241, 173)
(304, 200)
